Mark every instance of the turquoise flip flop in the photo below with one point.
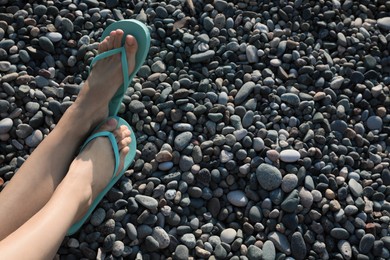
(128, 160)
(142, 35)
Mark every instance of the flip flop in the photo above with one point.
(139, 31)
(115, 177)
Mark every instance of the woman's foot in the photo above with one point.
(92, 169)
(106, 77)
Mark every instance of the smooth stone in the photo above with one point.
(182, 140)
(355, 187)
(5, 66)
(345, 249)
(189, 240)
(384, 23)
(136, 106)
(98, 217)
(228, 235)
(290, 203)
(46, 44)
(374, 123)
(5, 125)
(146, 201)
(237, 198)
(290, 155)
(181, 253)
(54, 36)
(161, 236)
(255, 253)
(131, 231)
(202, 57)
(268, 251)
(255, 214)
(298, 246)
(118, 248)
(258, 144)
(34, 139)
(244, 92)
(366, 243)
(289, 182)
(268, 176)
(251, 54)
(280, 241)
(220, 252)
(291, 99)
(337, 82)
(339, 233)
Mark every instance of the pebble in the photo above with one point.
(280, 241)
(228, 235)
(256, 253)
(98, 217)
(366, 243)
(181, 252)
(355, 187)
(289, 155)
(161, 236)
(34, 139)
(189, 240)
(5, 125)
(374, 123)
(268, 176)
(146, 201)
(237, 198)
(268, 251)
(345, 249)
(298, 246)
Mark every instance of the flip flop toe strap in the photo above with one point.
(122, 51)
(114, 146)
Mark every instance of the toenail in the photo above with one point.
(111, 122)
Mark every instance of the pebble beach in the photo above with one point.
(262, 126)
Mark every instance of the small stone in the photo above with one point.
(161, 236)
(280, 241)
(255, 253)
(237, 198)
(374, 123)
(268, 176)
(189, 240)
(268, 252)
(118, 248)
(5, 66)
(298, 246)
(289, 182)
(34, 139)
(244, 92)
(146, 201)
(181, 253)
(98, 217)
(355, 187)
(291, 99)
(54, 36)
(384, 23)
(251, 54)
(202, 57)
(182, 140)
(366, 243)
(5, 125)
(289, 155)
(228, 235)
(345, 249)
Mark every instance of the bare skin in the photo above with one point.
(88, 174)
(37, 179)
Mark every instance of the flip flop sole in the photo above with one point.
(127, 161)
(141, 33)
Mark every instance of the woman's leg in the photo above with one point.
(35, 182)
(88, 174)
